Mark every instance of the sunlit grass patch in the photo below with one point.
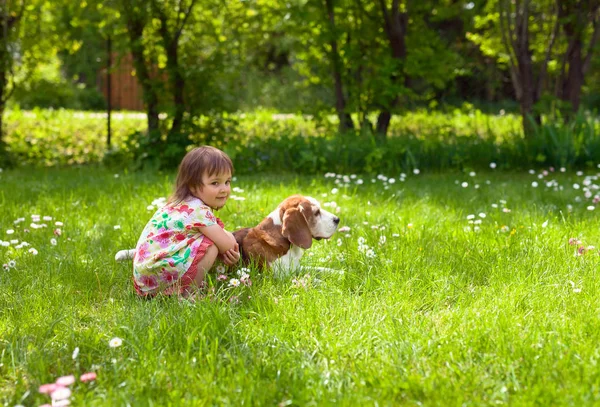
(439, 293)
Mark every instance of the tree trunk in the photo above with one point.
(575, 16)
(344, 117)
(136, 28)
(571, 91)
(3, 84)
(178, 88)
(395, 24)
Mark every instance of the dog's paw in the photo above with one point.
(123, 255)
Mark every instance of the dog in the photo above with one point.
(279, 240)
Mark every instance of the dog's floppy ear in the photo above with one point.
(295, 228)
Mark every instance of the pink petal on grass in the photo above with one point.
(61, 393)
(88, 377)
(47, 388)
(65, 380)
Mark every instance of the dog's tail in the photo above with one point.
(123, 255)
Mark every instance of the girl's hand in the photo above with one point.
(231, 256)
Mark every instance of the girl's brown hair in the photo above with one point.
(196, 163)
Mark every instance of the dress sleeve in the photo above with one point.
(203, 217)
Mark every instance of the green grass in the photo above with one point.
(441, 315)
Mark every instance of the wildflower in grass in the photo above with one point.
(53, 242)
(61, 393)
(361, 240)
(12, 264)
(115, 342)
(395, 235)
(506, 210)
(47, 388)
(14, 241)
(75, 353)
(10, 231)
(464, 184)
(57, 232)
(410, 226)
(591, 208)
(416, 171)
(573, 241)
(234, 299)
(245, 279)
(581, 250)
(370, 253)
(221, 277)
(545, 224)
(334, 191)
(242, 271)
(33, 251)
(382, 240)
(88, 377)
(65, 380)
(220, 269)
(234, 282)
(469, 217)
(117, 227)
(58, 224)
(492, 165)
(534, 184)
(482, 215)
(339, 242)
(472, 173)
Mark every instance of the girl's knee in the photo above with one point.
(212, 251)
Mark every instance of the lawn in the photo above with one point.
(449, 289)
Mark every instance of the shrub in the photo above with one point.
(264, 141)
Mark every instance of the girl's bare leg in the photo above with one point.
(205, 264)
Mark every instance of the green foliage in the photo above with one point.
(266, 142)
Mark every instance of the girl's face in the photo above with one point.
(215, 189)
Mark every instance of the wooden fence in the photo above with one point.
(126, 92)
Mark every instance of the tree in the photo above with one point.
(520, 34)
(579, 19)
(173, 19)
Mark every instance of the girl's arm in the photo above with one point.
(222, 239)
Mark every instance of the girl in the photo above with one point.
(183, 239)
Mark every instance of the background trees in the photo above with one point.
(362, 61)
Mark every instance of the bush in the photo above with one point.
(266, 142)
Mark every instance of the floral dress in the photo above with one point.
(170, 247)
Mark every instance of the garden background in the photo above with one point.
(458, 141)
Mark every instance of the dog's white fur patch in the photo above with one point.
(123, 255)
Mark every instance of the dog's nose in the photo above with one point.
(336, 220)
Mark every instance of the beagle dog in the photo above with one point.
(279, 241)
